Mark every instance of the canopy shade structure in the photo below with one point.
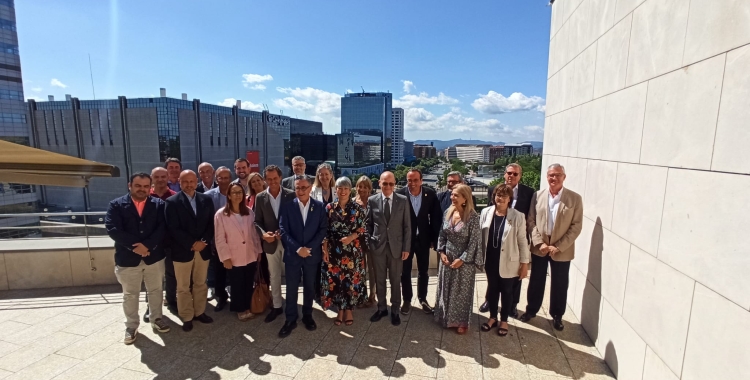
(31, 166)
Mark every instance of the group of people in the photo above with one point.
(196, 232)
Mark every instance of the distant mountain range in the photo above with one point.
(442, 144)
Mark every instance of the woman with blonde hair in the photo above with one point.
(459, 246)
(323, 187)
(256, 186)
(364, 190)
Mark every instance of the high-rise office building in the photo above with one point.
(518, 149)
(424, 151)
(139, 134)
(409, 151)
(14, 198)
(397, 137)
(369, 113)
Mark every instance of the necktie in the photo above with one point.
(387, 210)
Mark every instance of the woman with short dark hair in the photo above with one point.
(506, 255)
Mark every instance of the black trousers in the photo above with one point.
(305, 273)
(559, 285)
(422, 251)
(242, 280)
(171, 281)
(218, 273)
(500, 290)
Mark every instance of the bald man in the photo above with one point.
(189, 220)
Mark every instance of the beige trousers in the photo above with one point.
(190, 305)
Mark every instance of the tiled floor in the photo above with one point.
(76, 333)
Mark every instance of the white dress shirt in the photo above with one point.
(303, 209)
(553, 204)
(275, 202)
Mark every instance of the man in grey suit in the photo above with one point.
(298, 167)
(389, 228)
(267, 206)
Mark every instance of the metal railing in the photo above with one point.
(52, 225)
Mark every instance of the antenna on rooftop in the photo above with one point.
(363, 89)
(91, 72)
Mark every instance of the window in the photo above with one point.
(109, 127)
(211, 127)
(7, 3)
(7, 24)
(62, 120)
(54, 127)
(91, 129)
(12, 117)
(8, 48)
(11, 95)
(46, 130)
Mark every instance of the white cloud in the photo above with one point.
(408, 86)
(411, 100)
(292, 103)
(253, 81)
(246, 105)
(421, 120)
(36, 89)
(495, 103)
(36, 98)
(56, 83)
(322, 102)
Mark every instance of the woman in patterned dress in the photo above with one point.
(459, 246)
(343, 275)
(364, 190)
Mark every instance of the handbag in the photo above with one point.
(261, 295)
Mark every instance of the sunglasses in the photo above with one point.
(512, 174)
(388, 184)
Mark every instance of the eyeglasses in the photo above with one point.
(514, 174)
(301, 188)
(388, 184)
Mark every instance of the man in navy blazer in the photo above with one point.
(190, 221)
(135, 222)
(303, 223)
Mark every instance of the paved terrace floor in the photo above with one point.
(76, 333)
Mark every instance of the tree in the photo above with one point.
(531, 164)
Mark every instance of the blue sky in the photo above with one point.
(473, 69)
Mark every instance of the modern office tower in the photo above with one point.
(369, 113)
(472, 153)
(14, 198)
(397, 137)
(139, 134)
(316, 148)
(517, 149)
(409, 151)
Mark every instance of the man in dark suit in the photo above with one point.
(190, 217)
(267, 208)
(135, 222)
(298, 167)
(206, 178)
(389, 229)
(303, 225)
(426, 220)
(522, 195)
(454, 178)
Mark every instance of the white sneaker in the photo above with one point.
(130, 336)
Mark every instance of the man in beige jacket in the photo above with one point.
(554, 222)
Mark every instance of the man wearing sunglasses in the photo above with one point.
(522, 195)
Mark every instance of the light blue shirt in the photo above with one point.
(192, 203)
(416, 203)
(219, 199)
(174, 186)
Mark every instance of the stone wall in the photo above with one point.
(648, 105)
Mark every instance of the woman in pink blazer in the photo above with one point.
(238, 246)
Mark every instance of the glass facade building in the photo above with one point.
(14, 127)
(369, 113)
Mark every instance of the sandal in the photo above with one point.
(337, 322)
(487, 327)
(461, 330)
(349, 322)
(502, 331)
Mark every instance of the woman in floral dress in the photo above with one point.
(459, 246)
(343, 274)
